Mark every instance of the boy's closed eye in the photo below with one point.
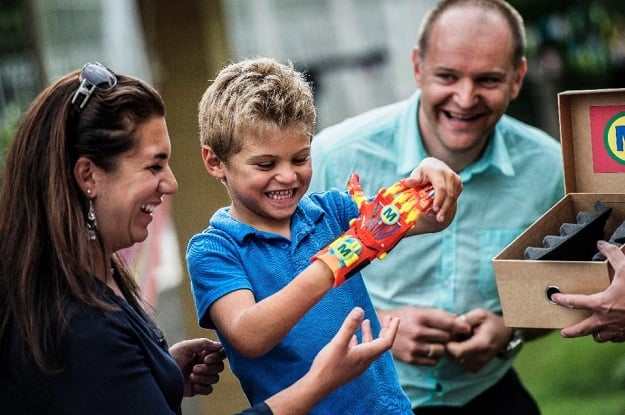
(266, 165)
(301, 160)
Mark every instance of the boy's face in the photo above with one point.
(268, 177)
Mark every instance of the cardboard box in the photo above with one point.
(592, 132)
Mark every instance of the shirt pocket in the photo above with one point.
(492, 241)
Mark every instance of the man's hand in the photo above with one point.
(489, 337)
(424, 333)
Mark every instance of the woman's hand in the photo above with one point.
(201, 362)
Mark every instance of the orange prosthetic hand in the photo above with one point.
(379, 227)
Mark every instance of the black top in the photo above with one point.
(114, 362)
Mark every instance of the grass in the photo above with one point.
(574, 376)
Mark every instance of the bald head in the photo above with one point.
(489, 13)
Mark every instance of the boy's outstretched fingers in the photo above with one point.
(347, 332)
(370, 347)
(345, 357)
(365, 331)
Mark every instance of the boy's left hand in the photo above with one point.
(446, 183)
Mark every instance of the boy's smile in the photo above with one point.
(268, 177)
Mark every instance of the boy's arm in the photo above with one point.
(245, 323)
(253, 328)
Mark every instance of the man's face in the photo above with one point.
(467, 79)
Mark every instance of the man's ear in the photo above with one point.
(212, 163)
(84, 170)
(517, 82)
(416, 66)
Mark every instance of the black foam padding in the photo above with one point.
(577, 241)
(617, 238)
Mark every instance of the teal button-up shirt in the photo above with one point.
(517, 178)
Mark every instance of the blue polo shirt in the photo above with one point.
(230, 255)
(517, 178)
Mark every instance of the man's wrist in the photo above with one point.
(514, 345)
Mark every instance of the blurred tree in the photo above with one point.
(19, 78)
(571, 44)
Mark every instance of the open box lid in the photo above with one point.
(592, 134)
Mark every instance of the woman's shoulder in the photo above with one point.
(95, 327)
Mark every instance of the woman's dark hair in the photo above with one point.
(47, 260)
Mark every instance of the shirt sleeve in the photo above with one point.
(259, 409)
(215, 268)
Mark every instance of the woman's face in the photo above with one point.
(125, 198)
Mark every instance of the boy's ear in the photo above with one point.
(212, 163)
(84, 173)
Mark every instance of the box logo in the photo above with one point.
(607, 125)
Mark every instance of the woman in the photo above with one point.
(87, 167)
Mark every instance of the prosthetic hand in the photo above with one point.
(379, 227)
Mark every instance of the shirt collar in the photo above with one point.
(303, 219)
(411, 151)
(495, 156)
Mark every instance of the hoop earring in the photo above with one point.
(92, 223)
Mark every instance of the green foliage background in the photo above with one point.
(7, 129)
(574, 376)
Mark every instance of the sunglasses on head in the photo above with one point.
(93, 75)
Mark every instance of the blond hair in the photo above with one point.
(250, 96)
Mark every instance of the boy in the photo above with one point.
(251, 271)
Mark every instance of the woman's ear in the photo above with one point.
(212, 163)
(84, 175)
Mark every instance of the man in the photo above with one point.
(468, 65)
